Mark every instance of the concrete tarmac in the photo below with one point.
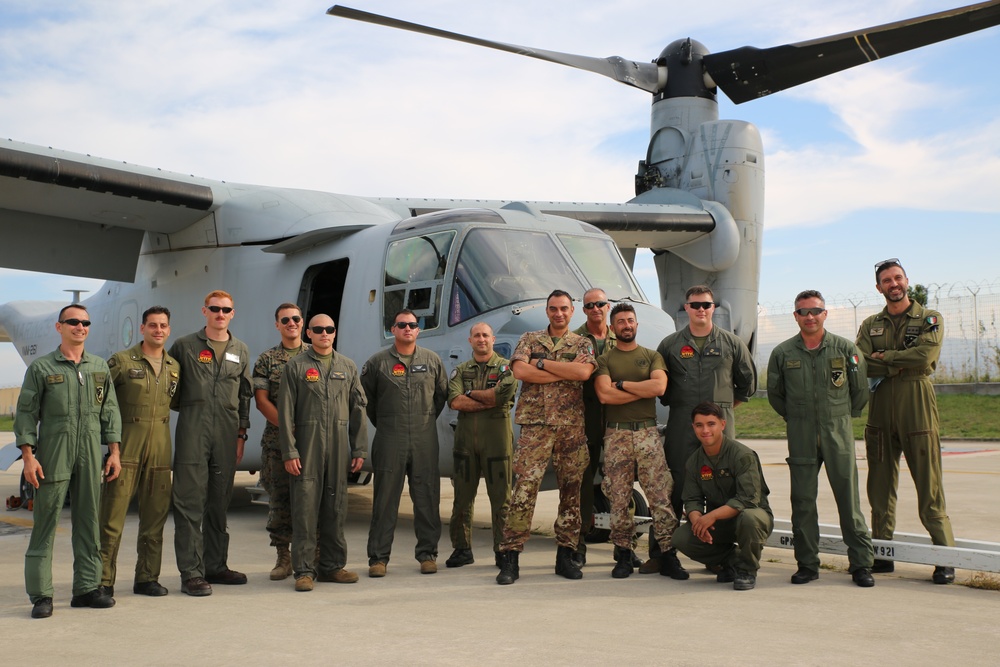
(462, 617)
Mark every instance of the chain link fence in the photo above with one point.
(970, 311)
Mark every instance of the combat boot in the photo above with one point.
(509, 568)
(670, 566)
(283, 566)
(565, 567)
(623, 568)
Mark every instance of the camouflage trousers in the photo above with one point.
(275, 480)
(626, 451)
(567, 447)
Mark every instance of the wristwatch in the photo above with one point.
(541, 364)
(242, 436)
(620, 384)
(468, 394)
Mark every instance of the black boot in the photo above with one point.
(564, 563)
(509, 568)
(670, 566)
(623, 568)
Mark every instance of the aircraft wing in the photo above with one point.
(78, 215)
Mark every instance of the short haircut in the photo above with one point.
(72, 305)
(707, 409)
(286, 306)
(810, 294)
(481, 324)
(699, 289)
(404, 311)
(218, 294)
(621, 308)
(156, 310)
(595, 289)
(558, 293)
(888, 264)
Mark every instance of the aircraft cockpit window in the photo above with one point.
(414, 273)
(600, 261)
(497, 267)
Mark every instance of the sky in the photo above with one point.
(899, 158)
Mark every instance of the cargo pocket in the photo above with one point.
(874, 445)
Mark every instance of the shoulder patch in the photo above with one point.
(112, 362)
(932, 320)
(454, 373)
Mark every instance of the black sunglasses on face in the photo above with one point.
(405, 325)
(223, 309)
(698, 305)
(293, 318)
(319, 330)
(802, 312)
(73, 322)
(594, 304)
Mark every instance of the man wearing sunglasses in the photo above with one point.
(902, 344)
(817, 382)
(211, 432)
(704, 363)
(324, 437)
(407, 388)
(66, 409)
(273, 477)
(602, 337)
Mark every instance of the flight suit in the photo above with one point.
(733, 478)
(403, 404)
(903, 418)
(817, 392)
(321, 421)
(145, 400)
(593, 420)
(214, 404)
(483, 446)
(273, 476)
(65, 412)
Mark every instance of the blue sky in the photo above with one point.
(897, 158)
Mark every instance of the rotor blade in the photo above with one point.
(640, 75)
(747, 73)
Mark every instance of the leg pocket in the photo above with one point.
(874, 444)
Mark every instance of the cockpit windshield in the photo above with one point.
(497, 267)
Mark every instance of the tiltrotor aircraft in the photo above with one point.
(168, 239)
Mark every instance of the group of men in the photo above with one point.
(582, 393)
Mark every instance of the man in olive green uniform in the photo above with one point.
(146, 381)
(725, 499)
(482, 391)
(273, 477)
(324, 436)
(601, 336)
(552, 365)
(629, 378)
(407, 389)
(70, 393)
(902, 345)
(704, 363)
(816, 381)
(214, 409)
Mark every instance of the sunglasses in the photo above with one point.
(802, 312)
(221, 309)
(293, 318)
(698, 305)
(594, 304)
(73, 322)
(319, 330)
(406, 325)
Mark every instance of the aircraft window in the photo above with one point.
(600, 261)
(414, 271)
(497, 267)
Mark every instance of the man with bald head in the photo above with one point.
(323, 436)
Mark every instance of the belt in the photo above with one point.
(633, 426)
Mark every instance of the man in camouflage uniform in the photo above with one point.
(482, 391)
(902, 345)
(704, 363)
(66, 409)
(273, 477)
(629, 378)
(552, 365)
(146, 380)
(601, 336)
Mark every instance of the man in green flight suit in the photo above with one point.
(324, 436)
(70, 393)
(482, 391)
(902, 344)
(816, 381)
(214, 410)
(146, 379)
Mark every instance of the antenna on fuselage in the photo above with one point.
(76, 294)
